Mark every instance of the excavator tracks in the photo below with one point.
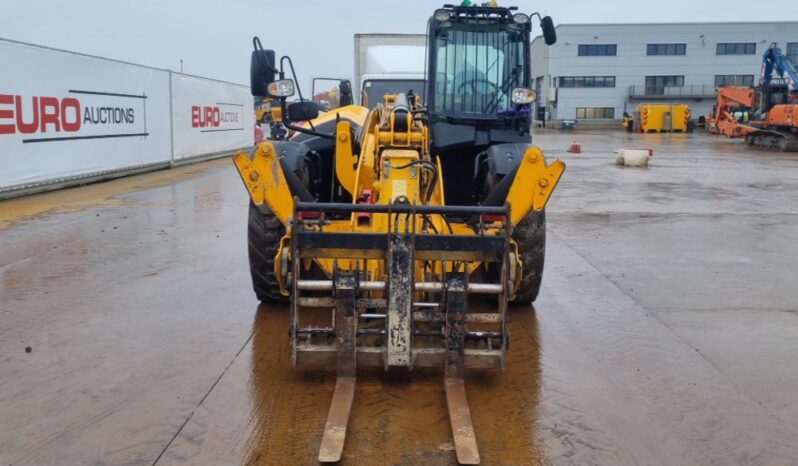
(772, 140)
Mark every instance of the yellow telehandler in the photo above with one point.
(380, 226)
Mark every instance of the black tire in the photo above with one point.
(530, 235)
(264, 231)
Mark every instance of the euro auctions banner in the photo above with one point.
(65, 115)
(210, 116)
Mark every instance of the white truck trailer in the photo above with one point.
(388, 63)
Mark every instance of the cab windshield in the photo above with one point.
(477, 70)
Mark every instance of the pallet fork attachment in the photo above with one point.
(416, 316)
(332, 444)
(465, 441)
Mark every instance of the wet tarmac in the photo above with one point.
(665, 333)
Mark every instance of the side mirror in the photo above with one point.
(345, 89)
(549, 34)
(303, 111)
(330, 93)
(261, 69)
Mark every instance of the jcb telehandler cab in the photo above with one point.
(379, 225)
(479, 94)
(479, 107)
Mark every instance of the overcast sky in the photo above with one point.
(213, 37)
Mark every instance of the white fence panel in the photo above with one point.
(66, 116)
(210, 116)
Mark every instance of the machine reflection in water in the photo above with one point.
(398, 418)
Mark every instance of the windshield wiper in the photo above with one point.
(504, 88)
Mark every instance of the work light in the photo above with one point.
(520, 18)
(281, 88)
(442, 16)
(522, 95)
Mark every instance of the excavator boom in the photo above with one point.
(730, 100)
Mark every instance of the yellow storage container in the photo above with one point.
(656, 118)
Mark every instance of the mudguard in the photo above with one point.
(499, 159)
(292, 154)
(528, 182)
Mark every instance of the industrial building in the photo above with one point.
(596, 72)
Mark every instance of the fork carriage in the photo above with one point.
(402, 284)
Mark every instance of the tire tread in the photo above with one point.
(530, 236)
(264, 232)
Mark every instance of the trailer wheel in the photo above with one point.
(264, 231)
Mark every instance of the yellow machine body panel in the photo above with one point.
(354, 113)
(533, 183)
(400, 181)
(264, 178)
(345, 160)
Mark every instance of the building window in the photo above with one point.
(538, 89)
(666, 49)
(586, 81)
(792, 51)
(736, 48)
(595, 113)
(734, 80)
(655, 85)
(597, 50)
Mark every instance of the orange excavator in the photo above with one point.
(734, 103)
(772, 107)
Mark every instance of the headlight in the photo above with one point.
(522, 95)
(520, 18)
(281, 88)
(442, 16)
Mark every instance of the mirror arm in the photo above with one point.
(287, 123)
(284, 108)
(293, 73)
(259, 48)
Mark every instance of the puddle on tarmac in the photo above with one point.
(103, 193)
